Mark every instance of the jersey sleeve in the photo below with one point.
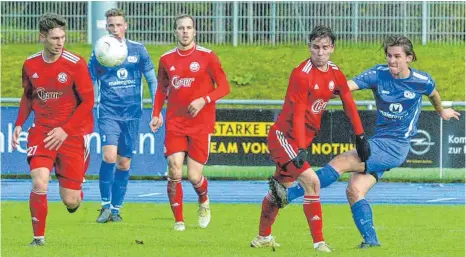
(92, 67)
(218, 75)
(25, 106)
(146, 62)
(162, 89)
(85, 91)
(429, 86)
(367, 79)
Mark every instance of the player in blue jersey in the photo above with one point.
(120, 107)
(398, 91)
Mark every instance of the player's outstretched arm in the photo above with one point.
(352, 85)
(446, 114)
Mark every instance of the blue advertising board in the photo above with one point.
(149, 159)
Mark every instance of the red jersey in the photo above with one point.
(61, 94)
(185, 76)
(308, 92)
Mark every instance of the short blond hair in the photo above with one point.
(50, 21)
(115, 12)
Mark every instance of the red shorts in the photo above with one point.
(196, 146)
(71, 160)
(282, 150)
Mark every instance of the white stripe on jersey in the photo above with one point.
(87, 148)
(420, 76)
(203, 49)
(169, 52)
(34, 55)
(71, 55)
(332, 65)
(382, 68)
(286, 146)
(414, 117)
(307, 67)
(69, 59)
(134, 42)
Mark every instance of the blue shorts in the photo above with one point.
(122, 134)
(386, 153)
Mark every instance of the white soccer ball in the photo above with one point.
(110, 51)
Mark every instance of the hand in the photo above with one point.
(196, 106)
(299, 160)
(16, 133)
(449, 113)
(362, 147)
(156, 123)
(55, 138)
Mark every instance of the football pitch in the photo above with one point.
(404, 230)
(432, 224)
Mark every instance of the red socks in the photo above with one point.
(175, 195)
(313, 210)
(268, 215)
(201, 189)
(38, 207)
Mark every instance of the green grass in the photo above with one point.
(263, 172)
(403, 230)
(262, 72)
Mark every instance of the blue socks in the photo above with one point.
(105, 182)
(295, 192)
(119, 189)
(362, 215)
(327, 175)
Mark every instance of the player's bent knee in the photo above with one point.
(354, 194)
(123, 165)
(109, 158)
(71, 201)
(310, 181)
(40, 178)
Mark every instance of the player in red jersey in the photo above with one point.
(58, 89)
(311, 85)
(187, 75)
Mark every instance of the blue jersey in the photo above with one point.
(120, 88)
(399, 101)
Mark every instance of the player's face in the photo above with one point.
(185, 32)
(117, 26)
(398, 61)
(54, 40)
(320, 49)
